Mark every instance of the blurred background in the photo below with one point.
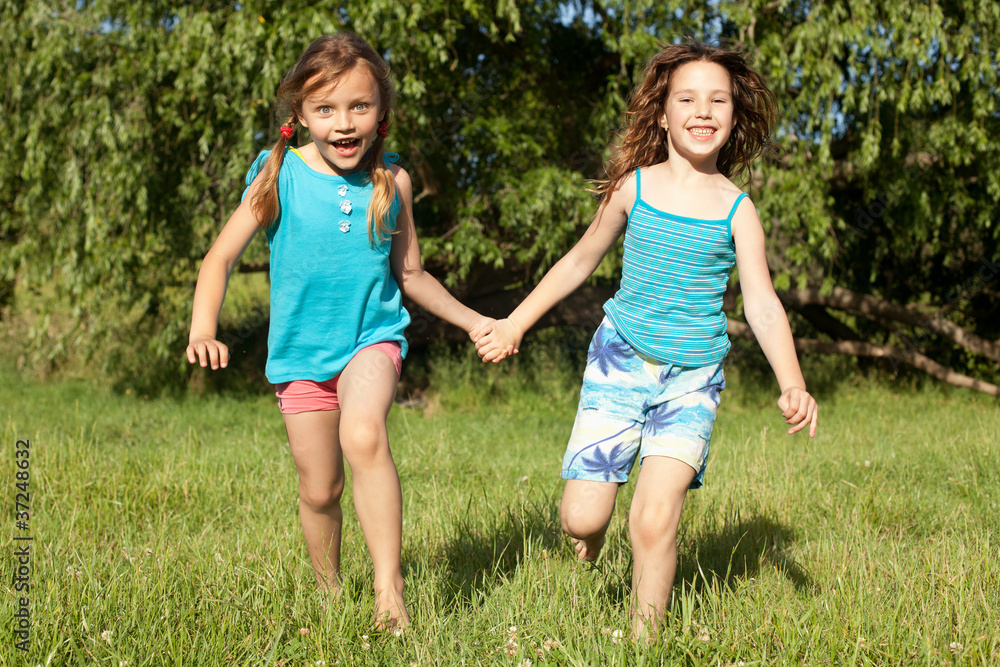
(126, 130)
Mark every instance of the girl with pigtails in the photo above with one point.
(338, 218)
(655, 367)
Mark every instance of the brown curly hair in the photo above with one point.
(325, 62)
(755, 111)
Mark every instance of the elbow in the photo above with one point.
(762, 315)
(216, 263)
(407, 278)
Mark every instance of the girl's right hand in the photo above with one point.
(502, 342)
(205, 351)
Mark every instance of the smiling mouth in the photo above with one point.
(702, 131)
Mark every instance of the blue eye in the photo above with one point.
(324, 110)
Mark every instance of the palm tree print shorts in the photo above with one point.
(632, 406)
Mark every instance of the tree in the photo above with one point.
(129, 127)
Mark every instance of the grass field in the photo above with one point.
(165, 533)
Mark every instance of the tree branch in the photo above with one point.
(877, 309)
(862, 349)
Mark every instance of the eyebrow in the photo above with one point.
(327, 101)
(714, 92)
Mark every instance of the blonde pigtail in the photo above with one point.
(383, 194)
(265, 204)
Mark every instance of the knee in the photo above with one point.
(653, 525)
(579, 522)
(321, 497)
(363, 436)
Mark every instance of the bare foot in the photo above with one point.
(331, 585)
(390, 612)
(644, 630)
(589, 549)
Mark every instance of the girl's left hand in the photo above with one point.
(481, 327)
(799, 410)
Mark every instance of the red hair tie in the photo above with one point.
(287, 131)
(383, 129)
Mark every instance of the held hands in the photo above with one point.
(481, 327)
(500, 343)
(799, 410)
(207, 350)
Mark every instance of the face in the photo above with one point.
(343, 119)
(698, 115)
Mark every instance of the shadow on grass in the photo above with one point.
(721, 557)
(739, 550)
(489, 542)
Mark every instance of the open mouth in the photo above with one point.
(346, 146)
(703, 132)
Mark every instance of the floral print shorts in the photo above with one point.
(632, 406)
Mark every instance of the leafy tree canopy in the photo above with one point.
(128, 128)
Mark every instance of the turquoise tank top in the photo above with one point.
(674, 274)
(332, 292)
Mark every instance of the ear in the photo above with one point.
(298, 116)
(663, 121)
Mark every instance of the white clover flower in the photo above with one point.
(106, 636)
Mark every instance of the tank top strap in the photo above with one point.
(736, 205)
(638, 184)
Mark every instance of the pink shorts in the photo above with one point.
(310, 396)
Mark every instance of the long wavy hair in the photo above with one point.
(755, 111)
(325, 61)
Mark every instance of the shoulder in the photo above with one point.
(402, 178)
(744, 222)
(734, 199)
(257, 165)
(623, 195)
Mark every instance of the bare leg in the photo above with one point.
(366, 389)
(653, 521)
(586, 512)
(314, 441)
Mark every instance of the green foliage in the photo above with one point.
(129, 127)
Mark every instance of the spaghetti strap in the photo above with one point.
(736, 205)
(638, 185)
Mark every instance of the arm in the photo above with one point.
(213, 278)
(767, 319)
(417, 284)
(564, 277)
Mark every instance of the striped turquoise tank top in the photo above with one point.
(674, 274)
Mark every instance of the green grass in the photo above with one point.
(169, 526)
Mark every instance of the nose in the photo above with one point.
(342, 121)
(703, 109)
